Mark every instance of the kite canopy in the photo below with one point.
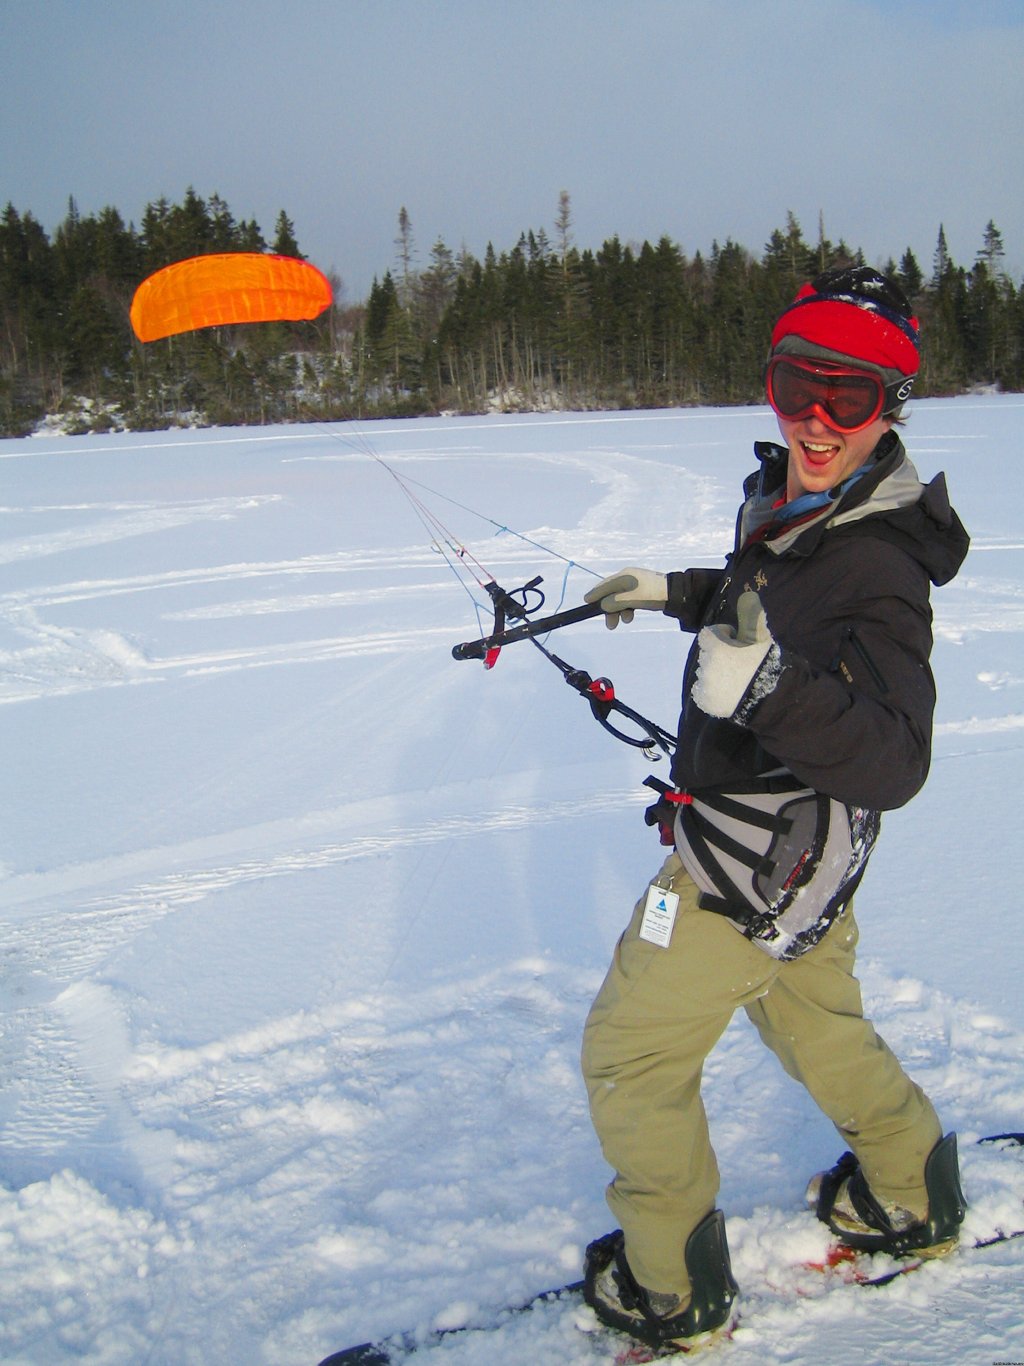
(233, 287)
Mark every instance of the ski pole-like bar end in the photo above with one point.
(471, 649)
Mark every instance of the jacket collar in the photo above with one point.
(888, 466)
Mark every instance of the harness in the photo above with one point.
(783, 883)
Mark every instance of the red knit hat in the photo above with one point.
(854, 313)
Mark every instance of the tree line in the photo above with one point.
(542, 324)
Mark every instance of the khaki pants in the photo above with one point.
(655, 1020)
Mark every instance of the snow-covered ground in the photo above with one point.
(300, 918)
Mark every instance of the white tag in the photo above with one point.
(659, 916)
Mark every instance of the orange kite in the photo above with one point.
(232, 287)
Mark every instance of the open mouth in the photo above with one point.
(817, 453)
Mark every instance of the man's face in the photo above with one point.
(821, 456)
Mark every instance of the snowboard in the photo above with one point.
(840, 1267)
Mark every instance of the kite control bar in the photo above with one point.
(478, 649)
(599, 692)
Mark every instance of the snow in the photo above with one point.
(300, 918)
(736, 666)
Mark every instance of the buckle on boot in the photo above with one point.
(868, 1224)
(621, 1302)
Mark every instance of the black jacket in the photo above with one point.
(846, 595)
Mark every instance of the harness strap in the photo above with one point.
(710, 834)
(749, 815)
(717, 875)
(774, 783)
(754, 922)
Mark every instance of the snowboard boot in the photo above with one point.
(662, 1320)
(842, 1199)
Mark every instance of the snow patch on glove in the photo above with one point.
(737, 666)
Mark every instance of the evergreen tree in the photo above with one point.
(543, 322)
(944, 358)
(248, 237)
(909, 275)
(406, 250)
(990, 342)
(941, 262)
(285, 242)
(992, 252)
(737, 327)
(223, 231)
(434, 293)
(393, 362)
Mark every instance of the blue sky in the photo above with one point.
(696, 118)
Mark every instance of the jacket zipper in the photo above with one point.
(865, 658)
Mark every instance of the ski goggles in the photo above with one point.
(848, 400)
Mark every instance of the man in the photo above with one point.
(807, 711)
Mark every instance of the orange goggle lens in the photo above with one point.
(848, 400)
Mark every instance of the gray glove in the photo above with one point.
(737, 667)
(630, 589)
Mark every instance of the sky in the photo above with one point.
(882, 119)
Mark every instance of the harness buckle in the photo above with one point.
(662, 812)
